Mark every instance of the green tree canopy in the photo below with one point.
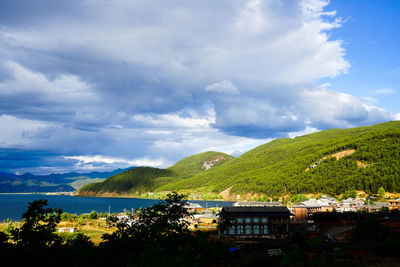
(38, 227)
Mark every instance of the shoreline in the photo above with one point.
(119, 196)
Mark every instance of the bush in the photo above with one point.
(93, 215)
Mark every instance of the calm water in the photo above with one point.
(12, 206)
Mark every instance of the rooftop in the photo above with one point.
(258, 211)
(255, 204)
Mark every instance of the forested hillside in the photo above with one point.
(331, 162)
(147, 179)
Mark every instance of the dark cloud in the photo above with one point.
(125, 80)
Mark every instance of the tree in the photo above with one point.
(162, 220)
(381, 192)
(38, 227)
(159, 235)
(93, 215)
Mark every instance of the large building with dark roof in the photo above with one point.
(255, 222)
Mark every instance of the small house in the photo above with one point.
(304, 209)
(193, 207)
(67, 230)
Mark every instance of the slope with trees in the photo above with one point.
(305, 164)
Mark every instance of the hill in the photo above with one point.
(331, 162)
(18, 185)
(147, 179)
(27, 182)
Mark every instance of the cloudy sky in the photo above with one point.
(97, 84)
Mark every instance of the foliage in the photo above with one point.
(282, 167)
(9, 227)
(350, 194)
(159, 235)
(147, 179)
(93, 215)
(381, 192)
(156, 222)
(38, 226)
(299, 198)
(140, 178)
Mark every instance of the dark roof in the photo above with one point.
(278, 211)
(255, 204)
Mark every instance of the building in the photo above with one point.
(303, 210)
(67, 230)
(349, 204)
(193, 207)
(255, 222)
(393, 204)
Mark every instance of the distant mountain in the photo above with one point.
(331, 162)
(17, 185)
(27, 182)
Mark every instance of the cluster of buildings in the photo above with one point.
(272, 220)
(303, 210)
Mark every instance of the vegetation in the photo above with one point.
(138, 180)
(306, 164)
(39, 226)
(156, 235)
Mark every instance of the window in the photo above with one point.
(248, 230)
(240, 230)
(256, 229)
(232, 230)
(264, 230)
(248, 220)
(239, 220)
(264, 220)
(256, 220)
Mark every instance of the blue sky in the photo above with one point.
(371, 39)
(97, 85)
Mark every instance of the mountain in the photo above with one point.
(147, 179)
(27, 182)
(17, 185)
(331, 162)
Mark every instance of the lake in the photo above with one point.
(14, 205)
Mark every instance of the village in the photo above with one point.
(255, 219)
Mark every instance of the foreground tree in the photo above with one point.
(39, 225)
(159, 235)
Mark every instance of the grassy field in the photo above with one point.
(93, 228)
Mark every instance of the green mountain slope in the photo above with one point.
(147, 179)
(331, 162)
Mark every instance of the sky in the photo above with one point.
(96, 85)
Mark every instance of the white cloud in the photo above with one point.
(62, 88)
(307, 130)
(397, 117)
(190, 121)
(89, 162)
(385, 91)
(131, 82)
(222, 87)
(16, 132)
